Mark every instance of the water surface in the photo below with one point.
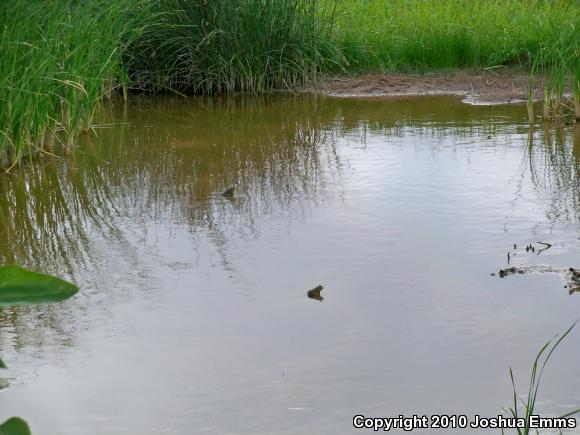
(193, 315)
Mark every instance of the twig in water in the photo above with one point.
(547, 246)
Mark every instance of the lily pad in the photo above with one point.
(2, 365)
(19, 286)
(14, 426)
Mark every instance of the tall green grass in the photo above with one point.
(558, 64)
(201, 46)
(58, 59)
(423, 35)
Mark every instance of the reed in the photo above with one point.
(58, 59)
(575, 78)
(200, 46)
(558, 61)
(525, 409)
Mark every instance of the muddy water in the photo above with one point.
(193, 315)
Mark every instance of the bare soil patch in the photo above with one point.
(481, 87)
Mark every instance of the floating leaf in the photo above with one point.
(19, 286)
(14, 426)
(2, 365)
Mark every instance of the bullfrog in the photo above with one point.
(228, 193)
(315, 293)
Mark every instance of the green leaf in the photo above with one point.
(14, 426)
(2, 365)
(19, 286)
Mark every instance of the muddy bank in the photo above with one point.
(481, 87)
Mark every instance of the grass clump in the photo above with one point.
(558, 63)
(58, 59)
(201, 46)
(528, 407)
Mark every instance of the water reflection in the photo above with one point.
(161, 163)
(399, 208)
(553, 162)
(172, 171)
(166, 160)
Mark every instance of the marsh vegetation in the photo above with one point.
(136, 213)
(60, 59)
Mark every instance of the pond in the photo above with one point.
(193, 315)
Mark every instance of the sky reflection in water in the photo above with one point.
(193, 316)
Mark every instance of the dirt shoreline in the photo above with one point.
(475, 87)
